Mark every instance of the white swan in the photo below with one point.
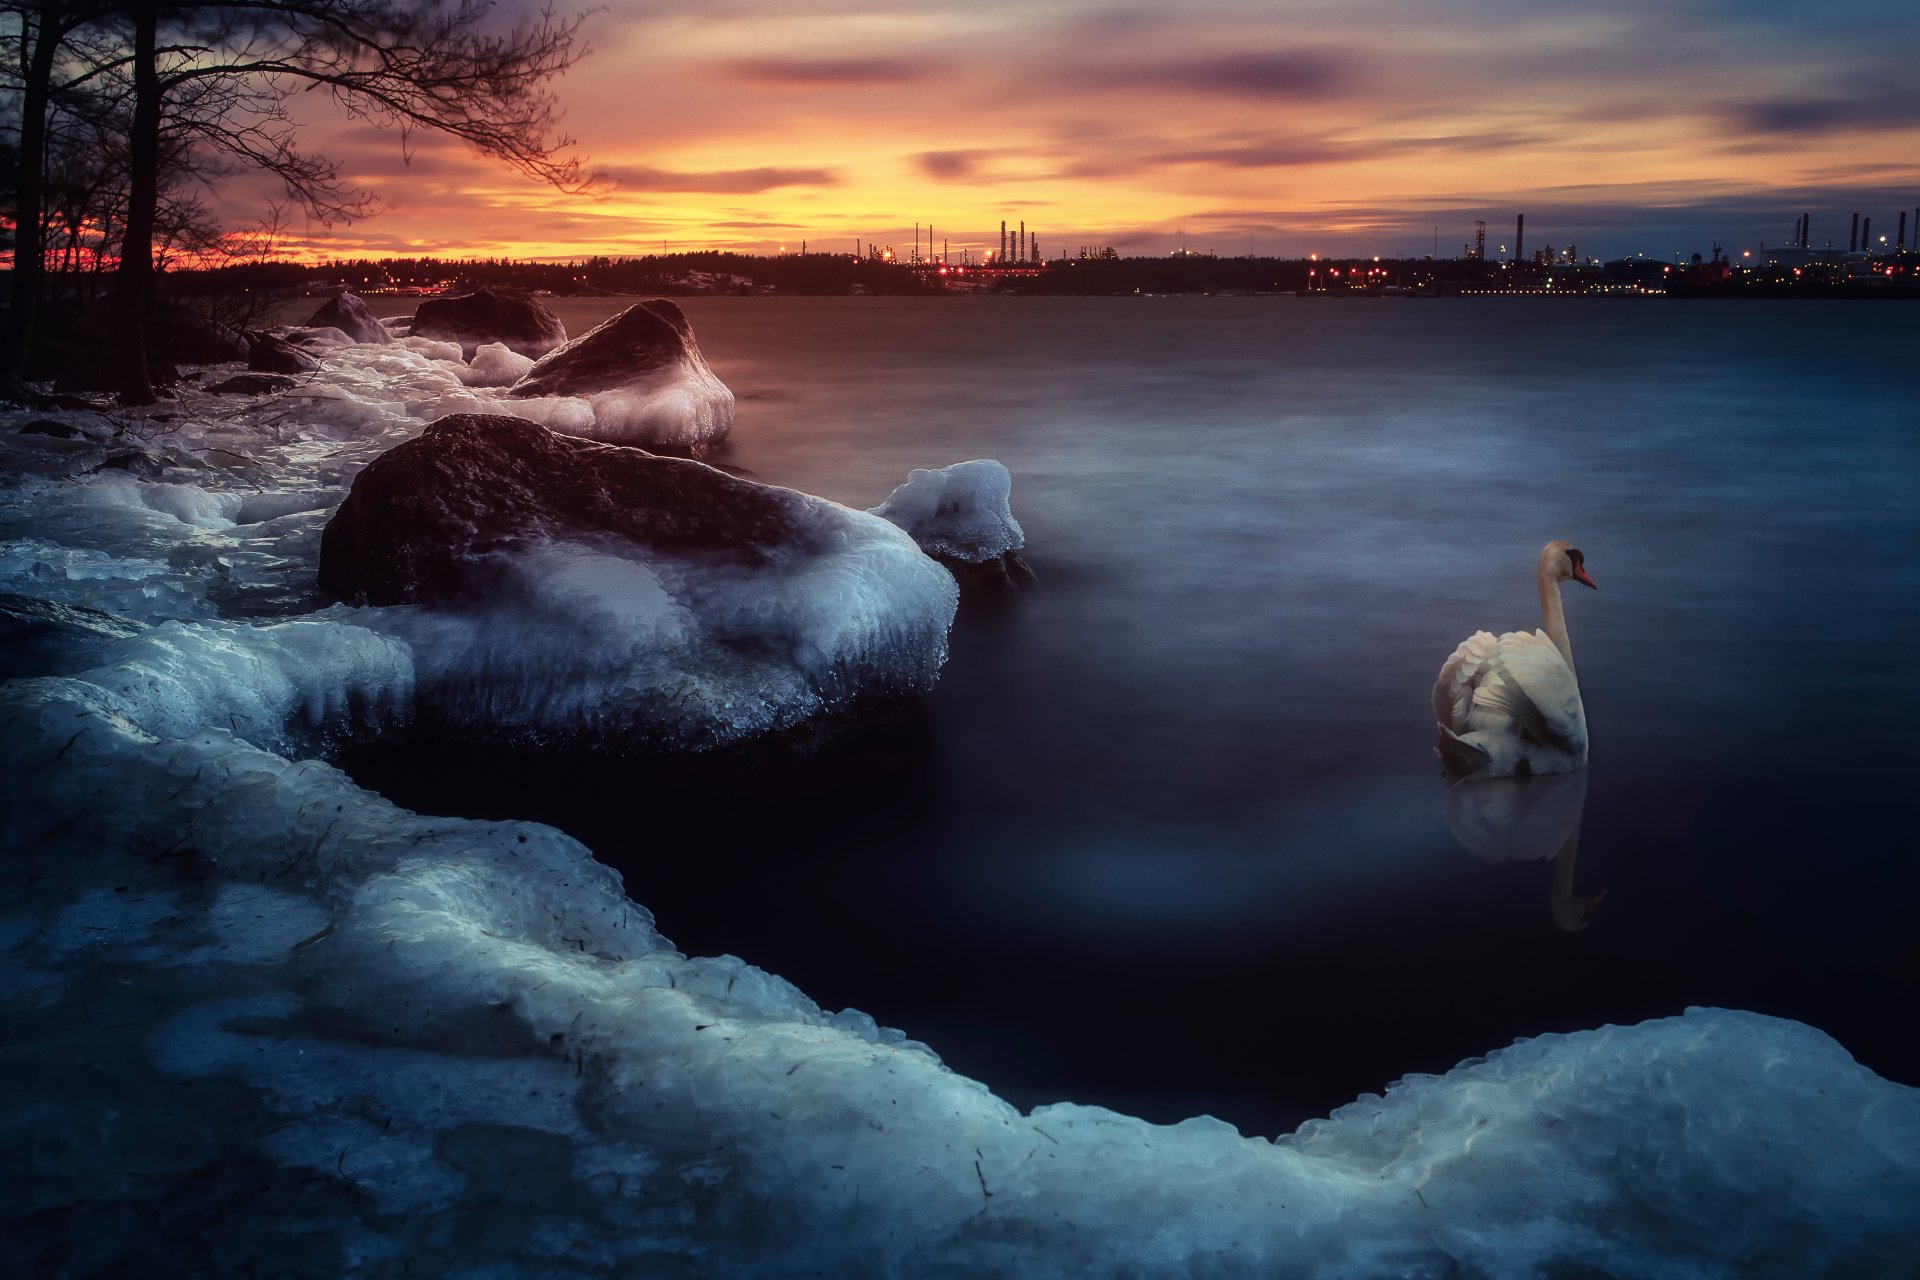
(1512, 705)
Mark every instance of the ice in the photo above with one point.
(961, 511)
(495, 365)
(261, 1021)
(434, 349)
(604, 642)
(676, 407)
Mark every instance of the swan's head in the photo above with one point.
(1561, 561)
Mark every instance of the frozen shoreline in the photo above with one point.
(458, 1044)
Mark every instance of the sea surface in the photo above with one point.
(1170, 835)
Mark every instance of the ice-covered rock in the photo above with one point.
(490, 315)
(644, 375)
(496, 365)
(270, 353)
(43, 637)
(348, 312)
(961, 515)
(252, 384)
(599, 591)
(424, 522)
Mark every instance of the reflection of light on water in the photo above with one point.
(1526, 819)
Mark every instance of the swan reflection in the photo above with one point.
(1527, 819)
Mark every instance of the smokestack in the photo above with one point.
(1806, 231)
(1853, 237)
(1519, 236)
(1003, 242)
(1866, 233)
(1023, 240)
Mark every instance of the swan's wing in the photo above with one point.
(1453, 691)
(1529, 682)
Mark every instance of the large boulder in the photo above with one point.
(490, 315)
(426, 521)
(348, 313)
(644, 375)
(574, 590)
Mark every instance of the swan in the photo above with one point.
(1512, 705)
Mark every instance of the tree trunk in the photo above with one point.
(29, 265)
(133, 285)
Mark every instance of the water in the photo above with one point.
(1170, 836)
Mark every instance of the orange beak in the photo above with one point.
(1580, 575)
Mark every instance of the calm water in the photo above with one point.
(1171, 836)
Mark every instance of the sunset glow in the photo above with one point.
(1381, 128)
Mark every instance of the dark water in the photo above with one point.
(1171, 837)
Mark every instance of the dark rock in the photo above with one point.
(253, 384)
(348, 313)
(615, 353)
(315, 341)
(180, 337)
(490, 315)
(671, 396)
(424, 519)
(268, 354)
(1001, 577)
(39, 637)
(48, 427)
(134, 462)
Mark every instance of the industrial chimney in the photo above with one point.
(1866, 233)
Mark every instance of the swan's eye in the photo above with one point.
(1574, 555)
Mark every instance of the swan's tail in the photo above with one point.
(1458, 757)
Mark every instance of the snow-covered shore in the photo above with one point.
(262, 1019)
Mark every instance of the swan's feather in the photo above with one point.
(1453, 692)
(1509, 705)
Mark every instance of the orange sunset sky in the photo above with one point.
(1279, 128)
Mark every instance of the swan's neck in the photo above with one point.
(1556, 617)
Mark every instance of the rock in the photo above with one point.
(253, 384)
(49, 427)
(314, 341)
(269, 354)
(490, 315)
(348, 313)
(42, 637)
(962, 516)
(1006, 574)
(423, 518)
(644, 375)
(180, 337)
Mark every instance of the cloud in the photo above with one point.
(949, 166)
(829, 73)
(725, 181)
(1295, 75)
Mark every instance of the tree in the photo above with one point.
(218, 75)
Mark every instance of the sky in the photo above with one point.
(1303, 126)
